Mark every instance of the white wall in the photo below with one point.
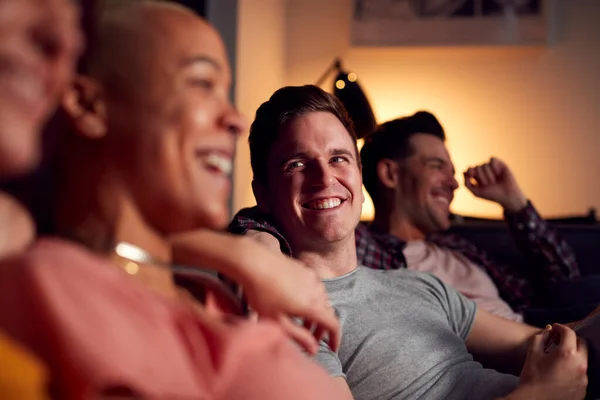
(260, 71)
(535, 107)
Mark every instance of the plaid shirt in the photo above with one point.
(550, 259)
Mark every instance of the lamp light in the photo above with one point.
(347, 89)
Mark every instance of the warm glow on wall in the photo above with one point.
(533, 107)
(464, 202)
(463, 151)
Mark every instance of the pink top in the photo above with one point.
(96, 328)
(459, 272)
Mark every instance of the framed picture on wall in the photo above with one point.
(452, 22)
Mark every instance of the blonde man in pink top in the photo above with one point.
(148, 157)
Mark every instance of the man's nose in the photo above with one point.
(322, 175)
(453, 183)
(234, 122)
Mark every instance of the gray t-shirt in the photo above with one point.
(403, 337)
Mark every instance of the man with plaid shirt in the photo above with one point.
(408, 172)
(405, 334)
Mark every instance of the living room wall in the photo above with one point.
(260, 65)
(534, 107)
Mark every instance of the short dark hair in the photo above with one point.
(392, 140)
(284, 105)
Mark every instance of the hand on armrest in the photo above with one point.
(559, 373)
(499, 343)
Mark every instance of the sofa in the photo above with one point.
(582, 233)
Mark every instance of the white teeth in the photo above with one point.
(219, 162)
(442, 200)
(324, 204)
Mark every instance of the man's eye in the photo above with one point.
(338, 159)
(295, 164)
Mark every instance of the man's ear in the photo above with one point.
(84, 105)
(388, 173)
(262, 197)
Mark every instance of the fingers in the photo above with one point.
(565, 337)
(308, 324)
(583, 352)
(320, 333)
(323, 319)
(538, 342)
(550, 339)
(470, 181)
(332, 337)
(571, 346)
(300, 335)
(318, 324)
(325, 323)
(497, 166)
(488, 173)
(335, 336)
(572, 349)
(482, 175)
(485, 174)
(582, 347)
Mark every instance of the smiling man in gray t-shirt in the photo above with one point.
(405, 335)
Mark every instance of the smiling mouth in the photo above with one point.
(217, 162)
(442, 200)
(323, 204)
